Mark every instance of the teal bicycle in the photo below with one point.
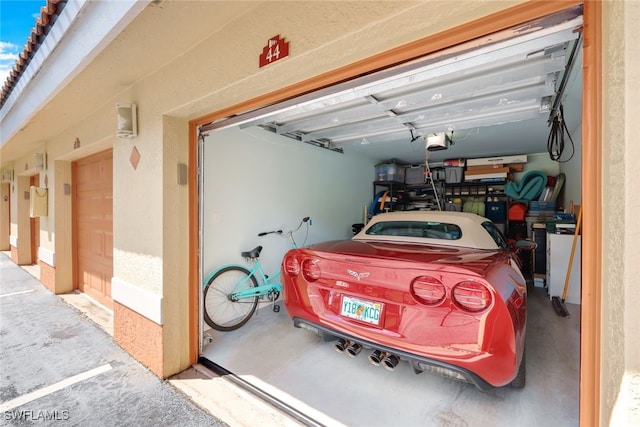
(232, 292)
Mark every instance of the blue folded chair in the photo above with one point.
(529, 187)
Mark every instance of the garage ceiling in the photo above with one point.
(491, 100)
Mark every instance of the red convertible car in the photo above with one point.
(440, 290)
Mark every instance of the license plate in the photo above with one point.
(364, 311)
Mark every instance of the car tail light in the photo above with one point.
(472, 296)
(292, 266)
(428, 290)
(310, 270)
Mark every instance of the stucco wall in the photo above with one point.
(613, 206)
(325, 35)
(620, 378)
(5, 200)
(632, 196)
(175, 255)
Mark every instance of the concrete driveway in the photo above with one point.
(58, 367)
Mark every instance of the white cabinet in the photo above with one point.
(558, 255)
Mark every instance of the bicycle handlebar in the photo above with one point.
(264, 233)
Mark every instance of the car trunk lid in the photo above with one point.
(395, 255)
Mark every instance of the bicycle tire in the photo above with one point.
(220, 312)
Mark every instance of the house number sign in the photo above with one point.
(276, 48)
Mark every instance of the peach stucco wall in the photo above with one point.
(139, 336)
(48, 276)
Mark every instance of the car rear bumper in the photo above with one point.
(417, 362)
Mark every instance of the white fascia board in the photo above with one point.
(142, 301)
(80, 33)
(47, 256)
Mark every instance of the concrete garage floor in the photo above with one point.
(296, 368)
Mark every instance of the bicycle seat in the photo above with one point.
(253, 253)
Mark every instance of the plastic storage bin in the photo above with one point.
(453, 174)
(389, 172)
(542, 207)
(414, 175)
(517, 211)
(455, 206)
(496, 211)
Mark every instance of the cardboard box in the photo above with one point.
(488, 169)
(509, 168)
(494, 175)
(521, 158)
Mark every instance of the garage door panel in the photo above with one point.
(96, 243)
(108, 249)
(94, 226)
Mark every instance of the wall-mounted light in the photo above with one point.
(40, 161)
(7, 175)
(127, 121)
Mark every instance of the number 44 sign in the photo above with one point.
(275, 49)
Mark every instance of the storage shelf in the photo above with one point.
(475, 183)
(396, 190)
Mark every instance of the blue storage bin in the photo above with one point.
(537, 206)
(496, 211)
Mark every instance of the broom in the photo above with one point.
(558, 304)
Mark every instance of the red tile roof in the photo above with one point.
(48, 15)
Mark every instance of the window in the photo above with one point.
(496, 234)
(430, 230)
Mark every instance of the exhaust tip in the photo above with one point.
(354, 349)
(377, 357)
(391, 361)
(341, 345)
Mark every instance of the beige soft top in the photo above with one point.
(473, 235)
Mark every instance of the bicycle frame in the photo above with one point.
(239, 291)
(268, 283)
(231, 303)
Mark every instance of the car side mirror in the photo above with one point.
(525, 245)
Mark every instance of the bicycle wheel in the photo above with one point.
(220, 312)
